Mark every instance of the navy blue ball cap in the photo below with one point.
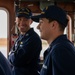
(54, 12)
(24, 12)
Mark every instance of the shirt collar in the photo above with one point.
(29, 32)
(56, 41)
(59, 39)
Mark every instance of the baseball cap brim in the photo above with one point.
(37, 17)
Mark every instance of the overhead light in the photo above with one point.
(44, 4)
(48, 0)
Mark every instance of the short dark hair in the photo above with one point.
(62, 27)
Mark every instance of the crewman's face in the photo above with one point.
(45, 28)
(23, 24)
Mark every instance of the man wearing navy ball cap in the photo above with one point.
(59, 58)
(25, 54)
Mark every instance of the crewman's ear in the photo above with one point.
(54, 24)
(31, 21)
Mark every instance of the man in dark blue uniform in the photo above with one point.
(25, 54)
(5, 68)
(60, 56)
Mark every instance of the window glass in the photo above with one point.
(44, 43)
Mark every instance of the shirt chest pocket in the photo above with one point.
(47, 66)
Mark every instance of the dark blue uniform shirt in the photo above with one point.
(59, 58)
(25, 54)
(5, 68)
